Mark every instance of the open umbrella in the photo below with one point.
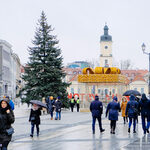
(38, 103)
(134, 92)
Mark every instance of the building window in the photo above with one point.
(142, 90)
(106, 91)
(78, 90)
(106, 63)
(72, 90)
(99, 91)
(126, 74)
(113, 91)
(93, 89)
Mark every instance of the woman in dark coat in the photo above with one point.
(35, 119)
(6, 119)
(113, 108)
(132, 112)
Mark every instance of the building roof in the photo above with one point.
(139, 78)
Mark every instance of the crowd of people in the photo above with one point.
(130, 110)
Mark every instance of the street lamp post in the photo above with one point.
(143, 49)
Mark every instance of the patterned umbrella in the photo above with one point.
(38, 103)
(134, 92)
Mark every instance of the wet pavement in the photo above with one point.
(74, 132)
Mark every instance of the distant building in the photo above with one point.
(78, 64)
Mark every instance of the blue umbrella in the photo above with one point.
(38, 103)
(134, 92)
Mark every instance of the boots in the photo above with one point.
(129, 130)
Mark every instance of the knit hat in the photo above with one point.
(115, 98)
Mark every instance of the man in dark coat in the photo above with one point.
(132, 112)
(113, 108)
(144, 108)
(96, 108)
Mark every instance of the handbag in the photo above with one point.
(32, 118)
(10, 131)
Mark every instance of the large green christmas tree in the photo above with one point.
(44, 72)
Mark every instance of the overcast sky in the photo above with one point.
(78, 25)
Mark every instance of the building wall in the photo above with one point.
(139, 86)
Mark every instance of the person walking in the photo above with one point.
(72, 103)
(144, 109)
(78, 104)
(96, 108)
(58, 105)
(12, 106)
(132, 112)
(123, 109)
(34, 118)
(43, 109)
(6, 119)
(113, 108)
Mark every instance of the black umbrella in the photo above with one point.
(38, 103)
(134, 92)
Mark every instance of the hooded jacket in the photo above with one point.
(96, 107)
(132, 105)
(6, 119)
(113, 108)
(144, 105)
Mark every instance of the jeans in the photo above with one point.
(4, 146)
(37, 128)
(51, 112)
(94, 121)
(134, 122)
(58, 113)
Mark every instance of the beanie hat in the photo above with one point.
(115, 98)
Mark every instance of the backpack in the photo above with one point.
(135, 110)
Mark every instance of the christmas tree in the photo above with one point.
(44, 72)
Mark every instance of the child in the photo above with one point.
(35, 118)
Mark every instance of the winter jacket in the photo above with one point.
(123, 108)
(96, 107)
(113, 108)
(144, 105)
(35, 116)
(58, 105)
(6, 119)
(132, 107)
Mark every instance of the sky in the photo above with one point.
(78, 25)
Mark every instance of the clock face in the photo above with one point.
(106, 47)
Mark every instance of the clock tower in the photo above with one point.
(106, 49)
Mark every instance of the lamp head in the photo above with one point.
(143, 47)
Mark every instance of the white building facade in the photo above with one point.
(8, 70)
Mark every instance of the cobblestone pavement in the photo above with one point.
(73, 132)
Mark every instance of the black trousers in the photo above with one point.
(99, 122)
(78, 107)
(4, 145)
(113, 125)
(72, 106)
